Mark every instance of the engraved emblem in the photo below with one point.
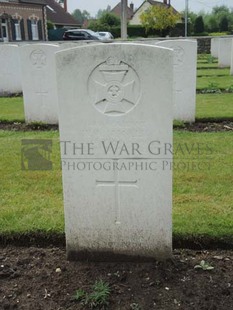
(114, 87)
(38, 59)
(179, 55)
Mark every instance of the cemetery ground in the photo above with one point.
(39, 276)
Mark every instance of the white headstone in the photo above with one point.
(214, 47)
(115, 120)
(231, 70)
(185, 70)
(224, 52)
(10, 74)
(39, 83)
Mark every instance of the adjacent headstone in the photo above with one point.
(214, 47)
(10, 74)
(185, 70)
(115, 121)
(231, 70)
(39, 83)
(224, 52)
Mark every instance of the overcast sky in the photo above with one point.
(92, 6)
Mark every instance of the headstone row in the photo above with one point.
(36, 78)
(10, 73)
(222, 48)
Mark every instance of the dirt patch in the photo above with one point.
(205, 125)
(10, 95)
(28, 280)
(21, 126)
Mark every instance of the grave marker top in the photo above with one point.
(185, 68)
(39, 85)
(10, 73)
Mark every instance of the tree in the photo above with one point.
(110, 19)
(213, 21)
(159, 18)
(81, 16)
(222, 9)
(199, 25)
(50, 25)
(223, 25)
(101, 12)
(191, 20)
(105, 22)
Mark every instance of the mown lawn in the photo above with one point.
(11, 109)
(222, 82)
(206, 65)
(32, 200)
(214, 106)
(213, 72)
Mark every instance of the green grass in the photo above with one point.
(207, 65)
(213, 72)
(214, 106)
(11, 109)
(222, 82)
(206, 58)
(203, 197)
(32, 200)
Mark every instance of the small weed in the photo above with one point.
(100, 294)
(178, 124)
(230, 89)
(80, 295)
(212, 88)
(204, 266)
(135, 306)
(97, 298)
(210, 59)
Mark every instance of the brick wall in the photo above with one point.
(25, 12)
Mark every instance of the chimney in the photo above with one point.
(65, 5)
(132, 6)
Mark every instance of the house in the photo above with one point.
(59, 16)
(145, 6)
(26, 20)
(22, 20)
(117, 10)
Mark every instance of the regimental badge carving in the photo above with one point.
(38, 59)
(114, 87)
(179, 55)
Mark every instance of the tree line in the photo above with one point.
(220, 19)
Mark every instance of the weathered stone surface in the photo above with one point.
(214, 47)
(115, 120)
(185, 70)
(39, 83)
(224, 52)
(10, 74)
